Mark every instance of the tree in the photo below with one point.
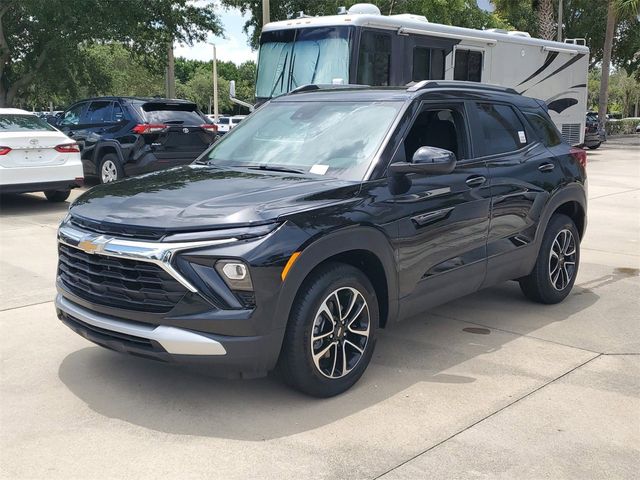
(616, 9)
(546, 20)
(463, 13)
(43, 41)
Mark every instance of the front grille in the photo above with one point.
(571, 133)
(115, 282)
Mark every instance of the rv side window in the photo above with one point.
(501, 129)
(374, 59)
(468, 66)
(545, 129)
(428, 64)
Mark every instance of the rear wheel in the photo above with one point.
(109, 169)
(556, 268)
(331, 333)
(57, 195)
(593, 147)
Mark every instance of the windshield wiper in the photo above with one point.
(271, 168)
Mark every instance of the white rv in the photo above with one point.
(361, 46)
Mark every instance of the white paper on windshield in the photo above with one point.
(522, 136)
(319, 169)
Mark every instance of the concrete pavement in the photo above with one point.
(489, 386)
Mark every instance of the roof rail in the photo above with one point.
(425, 84)
(325, 86)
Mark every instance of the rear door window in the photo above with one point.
(545, 129)
(117, 115)
(99, 112)
(501, 130)
(179, 114)
(22, 123)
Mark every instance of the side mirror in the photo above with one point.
(426, 161)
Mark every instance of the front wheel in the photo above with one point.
(556, 268)
(331, 332)
(593, 147)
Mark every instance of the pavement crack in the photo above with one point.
(517, 400)
(614, 193)
(25, 306)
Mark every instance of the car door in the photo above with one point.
(523, 173)
(443, 219)
(72, 125)
(94, 125)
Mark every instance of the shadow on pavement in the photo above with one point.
(19, 204)
(183, 400)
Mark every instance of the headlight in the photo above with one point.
(235, 274)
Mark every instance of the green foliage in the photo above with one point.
(42, 42)
(463, 13)
(622, 127)
(624, 93)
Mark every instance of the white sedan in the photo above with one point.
(35, 157)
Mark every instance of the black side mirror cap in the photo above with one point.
(427, 161)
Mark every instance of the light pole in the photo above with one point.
(559, 20)
(214, 71)
(265, 12)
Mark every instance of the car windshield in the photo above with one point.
(336, 139)
(23, 123)
(291, 58)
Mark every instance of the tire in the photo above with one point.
(324, 375)
(556, 268)
(110, 169)
(57, 195)
(593, 147)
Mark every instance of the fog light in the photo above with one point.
(235, 274)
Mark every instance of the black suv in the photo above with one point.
(327, 214)
(122, 136)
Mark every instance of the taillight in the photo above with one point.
(580, 155)
(144, 128)
(4, 150)
(67, 148)
(209, 126)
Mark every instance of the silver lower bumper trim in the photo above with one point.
(174, 340)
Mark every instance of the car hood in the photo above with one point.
(197, 197)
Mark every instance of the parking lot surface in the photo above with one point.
(488, 386)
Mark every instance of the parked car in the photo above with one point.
(123, 136)
(225, 124)
(291, 242)
(36, 157)
(594, 135)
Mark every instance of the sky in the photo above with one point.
(233, 46)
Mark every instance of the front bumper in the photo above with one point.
(203, 326)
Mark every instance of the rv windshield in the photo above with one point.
(291, 58)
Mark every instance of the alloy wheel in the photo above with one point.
(340, 332)
(109, 171)
(562, 259)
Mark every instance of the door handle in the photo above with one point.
(546, 167)
(429, 217)
(475, 180)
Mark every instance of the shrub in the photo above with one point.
(622, 127)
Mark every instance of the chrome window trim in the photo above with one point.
(157, 253)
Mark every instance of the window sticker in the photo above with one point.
(319, 169)
(522, 136)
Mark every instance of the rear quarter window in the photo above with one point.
(23, 123)
(545, 129)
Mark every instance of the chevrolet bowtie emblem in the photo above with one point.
(93, 246)
(88, 246)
